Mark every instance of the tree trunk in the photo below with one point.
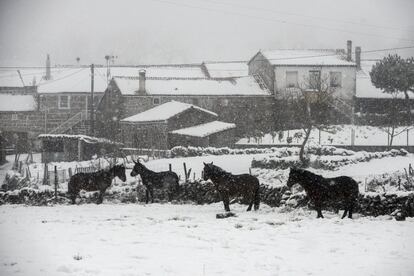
(302, 147)
(391, 136)
(408, 106)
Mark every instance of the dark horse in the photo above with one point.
(228, 184)
(95, 181)
(321, 190)
(151, 180)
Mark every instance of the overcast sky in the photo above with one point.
(183, 31)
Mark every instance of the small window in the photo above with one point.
(291, 79)
(335, 79)
(14, 117)
(64, 102)
(314, 79)
(156, 101)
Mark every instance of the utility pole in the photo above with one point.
(91, 101)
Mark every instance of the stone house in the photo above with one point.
(170, 124)
(238, 100)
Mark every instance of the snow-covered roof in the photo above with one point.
(365, 88)
(192, 86)
(306, 58)
(78, 80)
(163, 112)
(84, 138)
(12, 102)
(218, 69)
(204, 130)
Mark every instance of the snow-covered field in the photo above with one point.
(338, 135)
(188, 240)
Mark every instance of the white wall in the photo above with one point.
(346, 91)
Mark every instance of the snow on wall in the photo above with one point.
(204, 130)
(192, 86)
(10, 102)
(163, 112)
(306, 57)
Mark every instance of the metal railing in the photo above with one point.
(71, 122)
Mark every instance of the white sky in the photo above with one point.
(173, 31)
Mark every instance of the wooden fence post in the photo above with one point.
(56, 183)
(45, 174)
(250, 171)
(70, 172)
(170, 167)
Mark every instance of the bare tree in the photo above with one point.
(311, 101)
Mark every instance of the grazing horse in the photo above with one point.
(228, 184)
(321, 190)
(159, 180)
(95, 181)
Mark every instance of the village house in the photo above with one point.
(289, 72)
(173, 124)
(239, 100)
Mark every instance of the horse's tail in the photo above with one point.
(257, 198)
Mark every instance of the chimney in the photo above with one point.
(48, 75)
(358, 57)
(141, 89)
(349, 50)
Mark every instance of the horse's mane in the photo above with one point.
(217, 169)
(309, 174)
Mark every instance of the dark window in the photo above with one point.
(156, 101)
(335, 79)
(314, 79)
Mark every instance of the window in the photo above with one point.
(14, 117)
(314, 79)
(335, 79)
(64, 102)
(156, 101)
(291, 79)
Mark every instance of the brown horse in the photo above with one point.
(321, 190)
(228, 185)
(95, 181)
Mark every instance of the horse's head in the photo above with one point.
(294, 177)
(138, 168)
(119, 170)
(208, 168)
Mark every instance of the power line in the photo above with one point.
(280, 21)
(67, 76)
(170, 66)
(306, 15)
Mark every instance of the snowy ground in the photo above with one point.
(188, 240)
(339, 135)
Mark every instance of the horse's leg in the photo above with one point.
(345, 212)
(351, 209)
(146, 195)
(101, 195)
(226, 202)
(151, 191)
(251, 202)
(319, 210)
